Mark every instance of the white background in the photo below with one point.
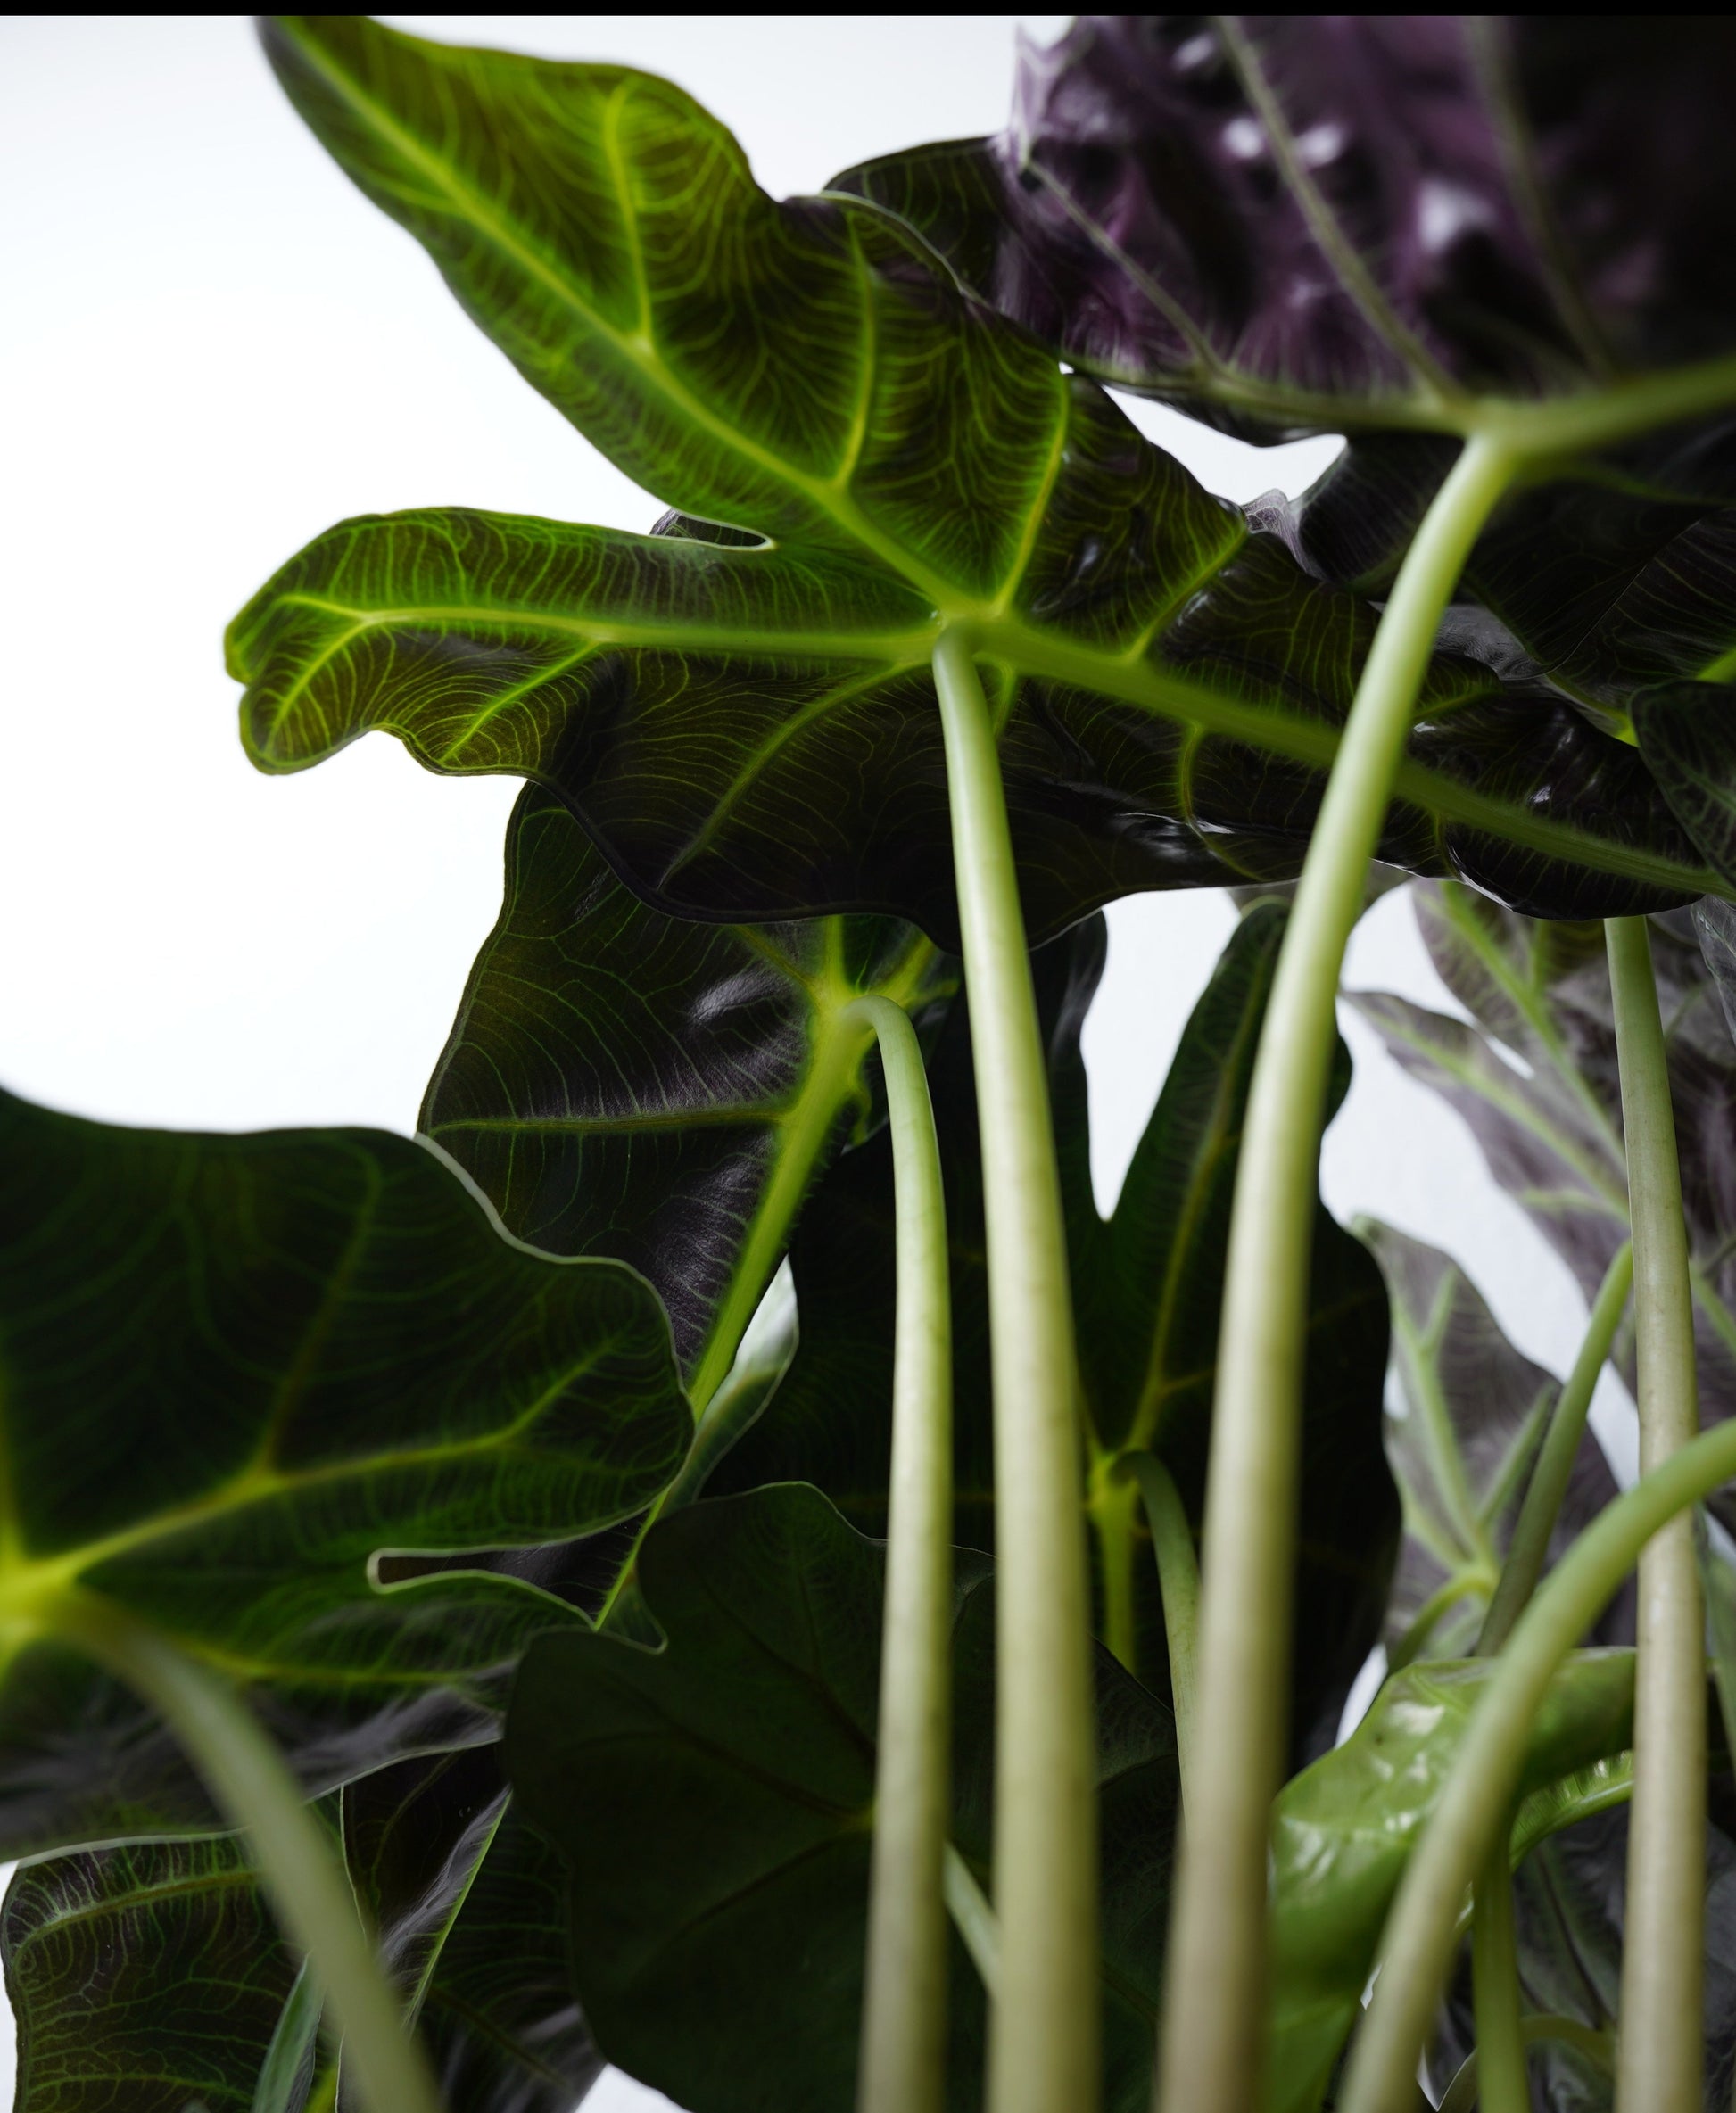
(214, 348)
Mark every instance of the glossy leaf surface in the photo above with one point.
(1476, 1412)
(160, 1962)
(1306, 222)
(1147, 1286)
(470, 1904)
(1553, 1139)
(1343, 1830)
(239, 1368)
(747, 725)
(154, 1970)
(662, 1092)
(1611, 579)
(713, 1800)
(1687, 734)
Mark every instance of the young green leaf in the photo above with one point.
(626, 1084)
(1314, 223)
(1341, 1832)
(238, 1370)
(713, 1800)
(749, 727)
(1463, 1452)
(201, 1996)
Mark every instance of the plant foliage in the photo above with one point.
(532, 1483)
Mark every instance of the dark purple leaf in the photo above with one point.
(1303, 223)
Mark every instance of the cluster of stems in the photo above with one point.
(1228, 1629)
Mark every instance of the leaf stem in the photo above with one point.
(1660, 2057)
(1503, 2084)
(904, 2017)
(252, 1785)
(1529, 1547)
(975, 1921)
(1587, 2040)
(1178, 1580)
(1044, 2045)
(1421, 1932)
(1212, 2055)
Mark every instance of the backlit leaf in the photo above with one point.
(1476, 1413)
(626, 1084)
(747, 726)
(1315, 223)
(238, 1370)
(1552, 1132)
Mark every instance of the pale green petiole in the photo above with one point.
(1529, 1547)
(1421, 1932)
(1043, 2043)
(250, 1785)
(1212, 2054)
(1178, 1580)
(904, 2016)
(1660, 2057)
(974, 1920)
(1502, 2086)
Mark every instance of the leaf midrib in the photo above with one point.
(830, 496)
(1127, 677)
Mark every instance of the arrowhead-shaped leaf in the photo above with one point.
(1320, 223)
(1551, 1132)
(1343, 1830)
(470, 1905)
(238, 1370)
(160, 1962)
(154, 1970)
(1148, 1287)
(623, 1083)
(715, 1802)
(1476, 1411)
(1609, 582)
(747, 725)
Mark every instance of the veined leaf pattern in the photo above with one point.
(1477, 1410)
(623, 1083)
(1552, 1132)
(750, 728)
(1327, 223)
(237, 1371)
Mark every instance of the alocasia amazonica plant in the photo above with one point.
(759, 1581)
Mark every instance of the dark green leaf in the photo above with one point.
(1148, 1287)
(1343, 1830)
(237, 1370)
(623, 1083)
(1475, 1414)
(715, 1800)
(750, 728)
(1685, 731)
(1613, 578)
(145, 1978)
(470, 1905)
(1552, 1132)
(1307, 222)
